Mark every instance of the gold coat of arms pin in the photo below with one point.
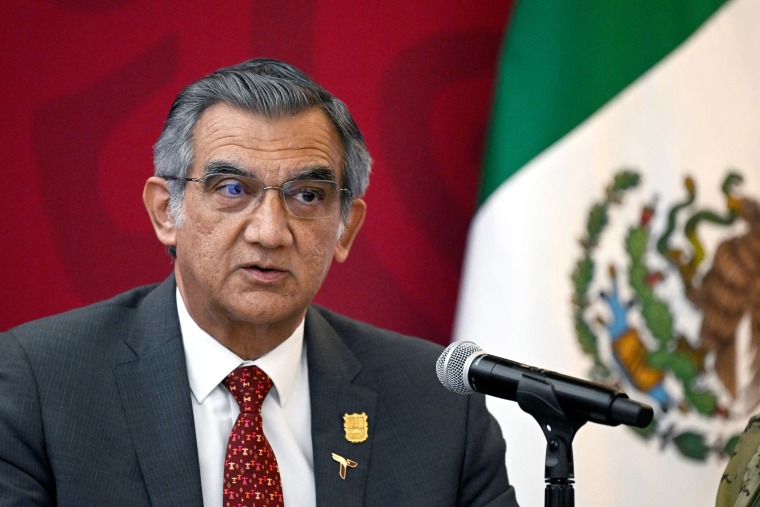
(356, 427)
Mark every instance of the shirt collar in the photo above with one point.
(208, 361)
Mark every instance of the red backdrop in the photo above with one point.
(87, 84)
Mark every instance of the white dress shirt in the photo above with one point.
(286, 411)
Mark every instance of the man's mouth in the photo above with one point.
(264, 273)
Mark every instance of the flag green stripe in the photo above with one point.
(551, 76)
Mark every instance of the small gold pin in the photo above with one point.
(344, 464)
(356, 427)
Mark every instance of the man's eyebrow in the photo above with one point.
(323, 173)
(315, 173)
(221, 167)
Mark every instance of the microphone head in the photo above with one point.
(453, 364)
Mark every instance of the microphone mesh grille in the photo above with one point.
(451, 364)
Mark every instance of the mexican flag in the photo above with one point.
(618, 236)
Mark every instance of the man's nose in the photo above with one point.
(269, 222)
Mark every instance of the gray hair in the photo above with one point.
(265, 87)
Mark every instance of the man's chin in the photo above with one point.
(254, 313)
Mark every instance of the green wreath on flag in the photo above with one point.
(664, 354)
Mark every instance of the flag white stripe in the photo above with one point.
(698, 113)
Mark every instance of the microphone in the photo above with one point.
(464, 369)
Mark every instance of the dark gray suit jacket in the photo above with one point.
(95, 409)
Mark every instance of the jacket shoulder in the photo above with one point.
(364, 338)
(96, 325)
(128, 299)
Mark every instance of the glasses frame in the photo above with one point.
(203, 180)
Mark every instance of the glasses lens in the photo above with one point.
(310, 198)
(230, 192)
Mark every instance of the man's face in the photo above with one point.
(261, 267)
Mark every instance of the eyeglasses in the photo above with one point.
(235, 193)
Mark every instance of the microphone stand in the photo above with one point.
(536, 396)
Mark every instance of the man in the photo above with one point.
(155, 397)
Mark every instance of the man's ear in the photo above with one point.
(352, 226)
(156, 200)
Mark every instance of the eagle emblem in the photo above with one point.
(674, 312)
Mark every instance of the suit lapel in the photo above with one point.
(151, 376)
(332, 370)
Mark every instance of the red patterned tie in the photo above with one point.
(251, 474)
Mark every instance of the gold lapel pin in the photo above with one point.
(344, 463)
(356, 427)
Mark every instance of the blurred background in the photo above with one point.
(87, 85)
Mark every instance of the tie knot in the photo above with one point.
(249, 385)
